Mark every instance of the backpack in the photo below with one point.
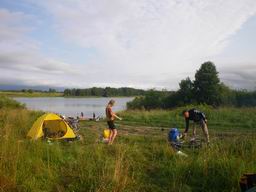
(173, 135)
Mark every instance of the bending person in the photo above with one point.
(111, 116)
(199, 118)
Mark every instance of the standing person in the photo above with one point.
(111, 116)
(198, 117)
(82, 115)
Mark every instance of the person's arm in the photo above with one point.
(114, 115)
(204, 117)
(117, 116)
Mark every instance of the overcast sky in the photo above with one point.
(135, 43)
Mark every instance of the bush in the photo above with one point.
(6, 102)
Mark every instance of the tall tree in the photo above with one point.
(185, 93)
(207, 84)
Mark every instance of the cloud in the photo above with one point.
(9, 21)
(21, 60)
(241, 76)
(145, 43)
(149, 38)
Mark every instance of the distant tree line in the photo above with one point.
(205, 89)
(105, 92)
(51, 90)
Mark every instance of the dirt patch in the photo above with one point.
(163, 132)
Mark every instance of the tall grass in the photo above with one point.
(6, 102)
(29, 94)
(142, 161)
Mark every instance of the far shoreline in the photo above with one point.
(14, 94)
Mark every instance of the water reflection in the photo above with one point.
(73, 106)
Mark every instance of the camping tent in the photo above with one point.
(51, 126)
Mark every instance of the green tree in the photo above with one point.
(30, 91)
(185, 93)
(227, 96)
(52, 90)
(94, 91)
(172, 100)
(67, 92)
(153, 99)
(78, 92)
(207, 84)
(245, 98)
(136, 103)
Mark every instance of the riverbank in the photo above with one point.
(29, 94)
(139, 160)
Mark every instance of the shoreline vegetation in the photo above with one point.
(12, 94)
(139, 160)
(206, 88)
(93, 92)
(30, 94)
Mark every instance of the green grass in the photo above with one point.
(139, 160)
(5, 102)
(225, 118)
(27, 94)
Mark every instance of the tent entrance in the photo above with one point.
(54, 128)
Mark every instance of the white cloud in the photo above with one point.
(144, 43)
(149, 38)
(21, 60)
(240, 76)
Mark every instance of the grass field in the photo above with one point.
(225, 118)
(27, 94)
(139, 160)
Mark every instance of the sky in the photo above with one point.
(126, 43)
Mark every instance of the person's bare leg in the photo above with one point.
(194, 130)
(206, 132)
(114, 136)
(110, 136)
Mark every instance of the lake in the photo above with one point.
(73, 106)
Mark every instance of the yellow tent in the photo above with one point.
(51, 126)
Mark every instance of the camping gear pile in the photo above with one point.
(73, 122)
(51, 126)
(177, 143)
(174, 140)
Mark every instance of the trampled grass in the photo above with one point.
(139, 160)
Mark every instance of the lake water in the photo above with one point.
(73, 106)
